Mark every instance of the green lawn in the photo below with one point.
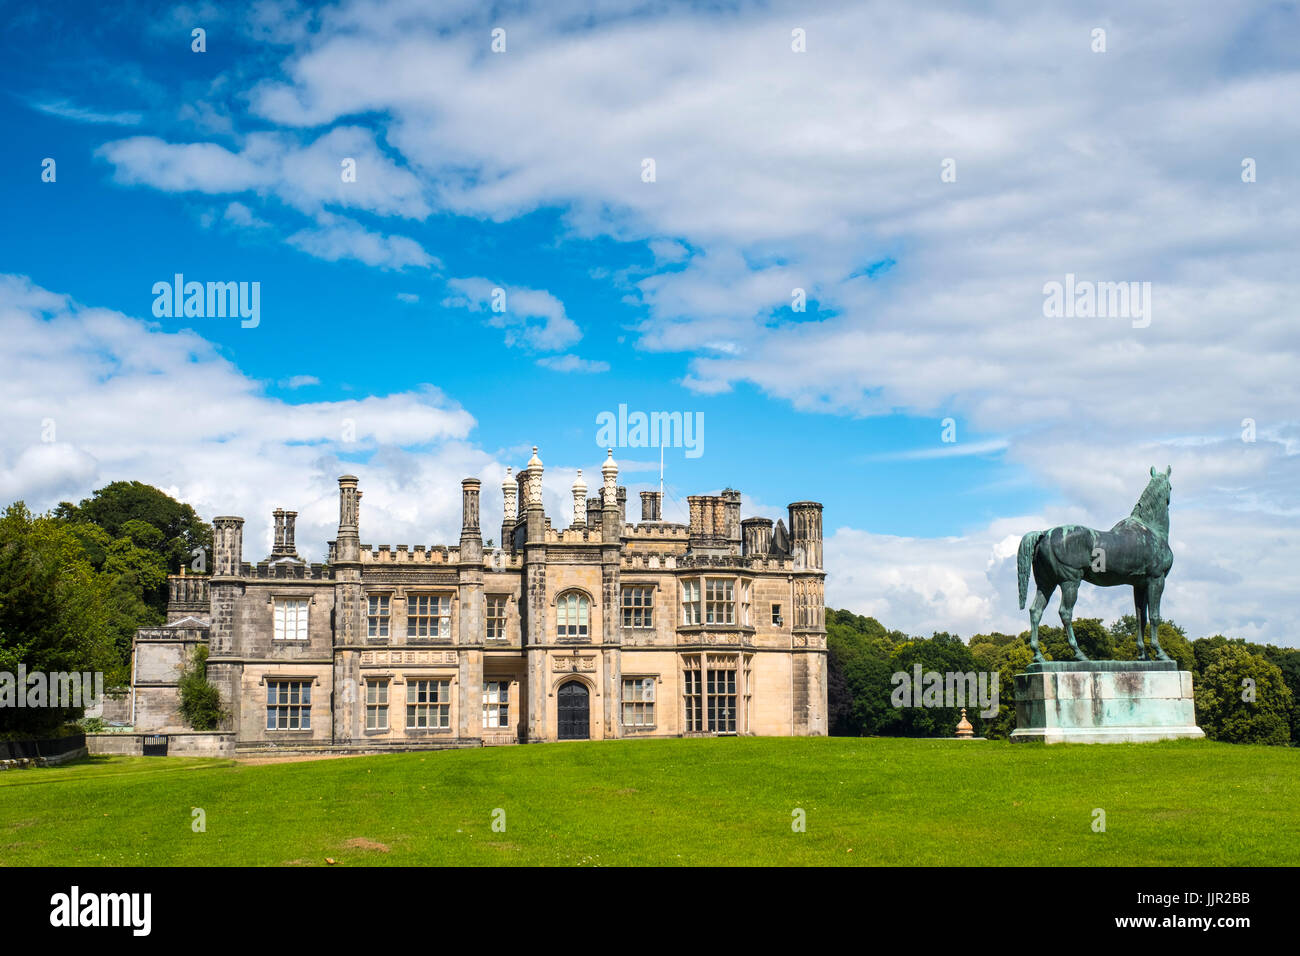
(726, 801)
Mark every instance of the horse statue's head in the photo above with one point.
(1153, 507)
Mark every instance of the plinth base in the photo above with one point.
(1104, 702)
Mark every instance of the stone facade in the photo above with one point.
(602, 629)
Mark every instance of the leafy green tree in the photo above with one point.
(121, 508)
(858, 664)
(1286, 659)
(1007, 659)
(1175, 644)
(1242, 698)
(943, 653)
(55, 611)
(134, 576)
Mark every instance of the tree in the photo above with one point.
(1242, 698)
(858, 674)
(134, 575)
(1172, 640)
(1287, 660)
(945, 654)
(123, 508)
(1007, 659)
(55, 612)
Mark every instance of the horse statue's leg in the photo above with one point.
(1036, 615)
(1069, 593)
(1155, 590)
(1140, 611)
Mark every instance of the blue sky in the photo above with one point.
(775, 169)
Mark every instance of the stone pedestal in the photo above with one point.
(1104, 702)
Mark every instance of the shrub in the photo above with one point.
(200, 700)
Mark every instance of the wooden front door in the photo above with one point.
(573, 711)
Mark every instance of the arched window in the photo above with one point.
(571, 615)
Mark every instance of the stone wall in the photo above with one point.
(186, 744)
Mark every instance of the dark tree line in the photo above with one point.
(1245, 693)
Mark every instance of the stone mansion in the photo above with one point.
(599, 630)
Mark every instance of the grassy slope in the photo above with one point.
(728, 801)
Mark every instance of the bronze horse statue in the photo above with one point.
(1135, 551)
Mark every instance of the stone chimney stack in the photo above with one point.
(471, 535)
(652, 505)
(469, 496)
(622, 504)
(283, 546)
(715, 523)
(757, 534)
(509, 512)
(593, 512)
(348, 547)
(227, 546)
(731, 516)
(579, 502)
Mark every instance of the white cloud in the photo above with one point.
(299, 381)
(126, 400)
(336, 237)
(572, 363)
(531, 317)
(81, 114)
(237, 214)
(307, 176)
(1231, 575)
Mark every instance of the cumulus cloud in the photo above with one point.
(96, 396)
(1231, 574)
(305, 175)
(337, 237)
(531, 317)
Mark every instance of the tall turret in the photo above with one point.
(757, 536)
(579, 501)
(532, 503)
(227, 546)
(611, 515)
(806, 533)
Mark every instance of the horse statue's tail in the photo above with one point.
(1023, 562)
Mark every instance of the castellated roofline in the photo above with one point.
(715, 528)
